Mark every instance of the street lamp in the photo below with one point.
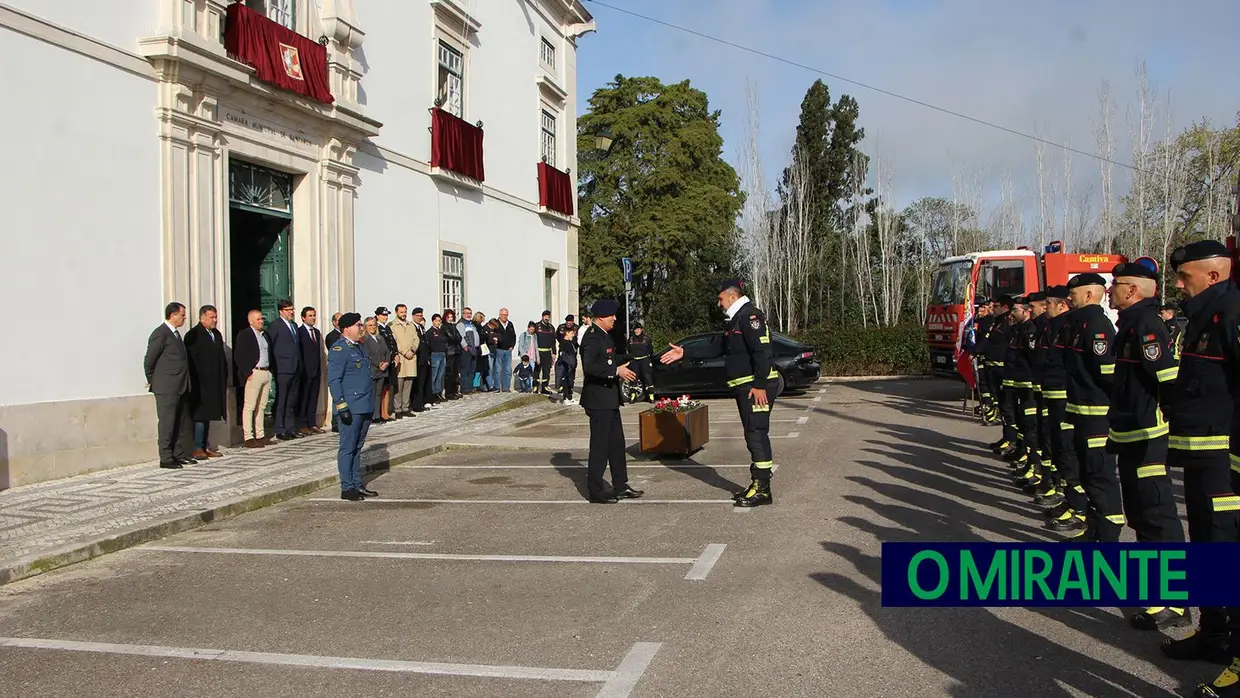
(603, 139)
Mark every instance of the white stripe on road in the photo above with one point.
(794, 434)
(818, 399)
(617, 684)
(524, 501)
(706, 561)
(424, 556)
(630, 465)
(802, 420)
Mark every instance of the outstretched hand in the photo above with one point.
(672, 355)
(625, 373)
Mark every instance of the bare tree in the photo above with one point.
(890, 266)
(1141, 135)
(861, 264)
(757, 219)
(1106, 151)
(791, 272)
(1067, 224)
(1174, 187)
(1043, 193)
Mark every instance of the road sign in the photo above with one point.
(628, 270)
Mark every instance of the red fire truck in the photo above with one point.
(960, 280)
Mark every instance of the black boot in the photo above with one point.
(1159, 617)
(1200, 647)
(759, 493)
(1225, 685)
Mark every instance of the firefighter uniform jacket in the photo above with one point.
(1144, 372)
(1037, 352)
(1090, 362)
(1017, 369)
(748, 349)
(1203, 398)
(995, 346)
(639, 347)
(1054, 369)
(545, 334)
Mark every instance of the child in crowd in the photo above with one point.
(566, 366)
(525, 375)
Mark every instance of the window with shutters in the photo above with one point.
(548, 137)
(282, 12)
(452, 280)
(451, 94)
(548, 55)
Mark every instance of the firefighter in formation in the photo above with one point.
(1094, 415)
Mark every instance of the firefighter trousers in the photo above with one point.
(1045, 438)
(756, 421)
(1105, 514)
(1009, 408)
(1022, 409)
(545, 361)
(1063, 450)
(1149, 505)
(1212, 502)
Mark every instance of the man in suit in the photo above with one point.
(349, 379)
(376, 348)
(332, 338)
(286, 360)
(252, 359)
(311, 342)
(167, 376)
(600, 396)
(208, 371)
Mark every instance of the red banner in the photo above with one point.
(279, 55)
(456, 145)
(555, 189)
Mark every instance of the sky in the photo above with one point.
(1034, 67)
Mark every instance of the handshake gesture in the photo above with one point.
(625, 373)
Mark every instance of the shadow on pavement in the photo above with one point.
(573, 468)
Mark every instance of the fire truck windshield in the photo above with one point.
(951, 283)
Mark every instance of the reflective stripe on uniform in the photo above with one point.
(1117, 519)
(994, 363)
(761, 408)
(1088, 410)
(1017, 384)
(765, 465)
(1226, 503)
(1031, 411)
(773, 374)
(1096, 442)
(1151, 470)
(1037, 388)
(740, 381)
(1055, 394)
(542, 349)
(1045, 412)
(1168, 374)
(1079, 489)
(1065, 425)
(1106, 369)
(1128, 437)
(1235, 462)
(1199, 443)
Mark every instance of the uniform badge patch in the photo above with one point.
(1100, 348)
(1203, 342)
(1152, 351)
(754, 322)
(1032, 342)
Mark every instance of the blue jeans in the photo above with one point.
(525, 385)
(437, 368)
(501, 368)
(202, 431)
(349, 457)
(467, 373)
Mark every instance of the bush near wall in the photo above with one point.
(872, 351)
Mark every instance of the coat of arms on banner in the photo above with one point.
(292, 61)
(1100, 348)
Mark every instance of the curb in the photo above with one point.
(115, 541)
(870, 379)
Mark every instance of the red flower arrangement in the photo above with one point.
(674, 405)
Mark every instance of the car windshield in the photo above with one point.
(951, 282)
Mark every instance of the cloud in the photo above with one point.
(1032, 67)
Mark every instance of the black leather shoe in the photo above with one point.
(1198, 647)
(1159, 618)
(187, 461)
(352, 495)
(603, 499)
(627, 492)
(171, 464)
(368, 493)
(285, 437)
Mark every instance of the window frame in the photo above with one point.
(443, 46)
(992, 290)
(547, 49)
(270, 7)
(549, 137)
(446, 277)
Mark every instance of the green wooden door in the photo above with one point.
(274, 284)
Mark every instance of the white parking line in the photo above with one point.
(818, 399)
(802, 420)
(626, 502)
(631, 464)
(616, 684)
(701, 565)
(793, 435)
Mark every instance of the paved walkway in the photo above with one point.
(52, 524)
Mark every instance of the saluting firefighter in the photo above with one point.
(1042, 468)
(1202, 433)
(1144, 373)
(640, 358)
(1091, 371)
(748, 366)
(995, 350)
(1065, 481)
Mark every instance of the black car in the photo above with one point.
(701, 371)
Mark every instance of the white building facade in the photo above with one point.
(161, 159)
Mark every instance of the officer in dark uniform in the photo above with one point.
(747, 363)
(348, 378)
(544, 333)
(600, 397)
(1091, 370)
(390, 386)
(1018, 387)
(1041, 467)
(1168, 313)
(995, 351)
(1144, 373)
(1203, 432)
(641, 359)
(974, 344)
(562, 328)
(1058, 433)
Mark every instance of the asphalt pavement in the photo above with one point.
(484, 572)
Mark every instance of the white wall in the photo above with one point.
(117, 22)
(81, 243)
